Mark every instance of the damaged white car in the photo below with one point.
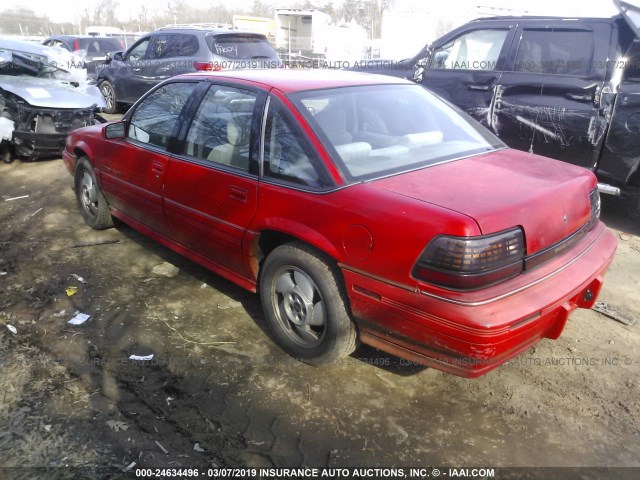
(43, 96)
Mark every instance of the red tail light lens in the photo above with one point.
(76, 45)
(207, 66)
(466, 263)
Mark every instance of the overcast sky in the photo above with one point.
(68, 10)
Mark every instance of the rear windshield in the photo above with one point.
(100, 44)
(243, 47)
(377, 130)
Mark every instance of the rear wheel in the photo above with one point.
(109, 95)
(93, 206)
(305, 305)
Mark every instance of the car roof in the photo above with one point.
(290, 81)
(214, 29)
(524, 18)
(82, 37)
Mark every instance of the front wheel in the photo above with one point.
(305, 305)
(109, 95)
(93, 206)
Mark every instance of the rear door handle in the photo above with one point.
(481, 88)
(157, 167)
(238, 193)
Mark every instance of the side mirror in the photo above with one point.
(114, 131)
(118, 56)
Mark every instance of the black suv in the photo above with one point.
(179, 49)
(92, 50)
(564, 88)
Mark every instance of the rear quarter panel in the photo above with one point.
(364, 228)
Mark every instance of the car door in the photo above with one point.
(211, 187)
(134, 168)
(547, 100)
(620, 160)
(466, 65)
(128, 73)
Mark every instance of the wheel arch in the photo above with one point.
(269, 238)
(83, 149)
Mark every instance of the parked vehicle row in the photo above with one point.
(127, 75)
(351, 203)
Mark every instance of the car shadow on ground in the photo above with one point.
(252, 305)
(615, 215)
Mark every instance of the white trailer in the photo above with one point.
(302, 32)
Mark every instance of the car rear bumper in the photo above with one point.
(469, 337)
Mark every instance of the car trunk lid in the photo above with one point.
(505, 189)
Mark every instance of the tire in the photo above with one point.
(305, 305)
(93, 206)
(109, 95)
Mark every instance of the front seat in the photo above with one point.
(236, 151)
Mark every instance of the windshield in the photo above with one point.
(240, 47)
(383, 129)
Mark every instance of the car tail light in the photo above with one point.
(207, 66)
(76, 45)
(466, 263)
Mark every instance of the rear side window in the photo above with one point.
(555, 51)
(174, 45)
(240, 47)
(154, 120)
(477, 50)
(286, 156)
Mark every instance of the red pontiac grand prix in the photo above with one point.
(360, 207)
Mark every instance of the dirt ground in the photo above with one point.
(220, 392)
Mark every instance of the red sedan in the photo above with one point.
(360, 207)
